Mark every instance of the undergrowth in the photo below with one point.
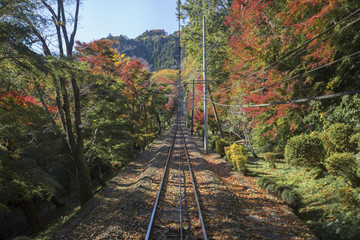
(328, 205)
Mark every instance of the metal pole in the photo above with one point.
(179, 3)
(192, 108)
(205, 101)
(187, 110)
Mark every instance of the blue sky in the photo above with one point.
(98, 18)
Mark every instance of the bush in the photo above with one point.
(347, 197)
(270, 158)
(213, 140)
(220, 145)
(240, 163)
(305, 150)
(355, 141)
(200, 131)
(337, 138)
(228, 153)
(344, 165)
(237, 156)
(263, 182)
(282, 192)
(291, 198)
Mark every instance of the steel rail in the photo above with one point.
(160, 188)
(194, 187)
(180, 204)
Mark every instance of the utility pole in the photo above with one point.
(186, 109)
(192, 107)
(205, 89)
(179, 80)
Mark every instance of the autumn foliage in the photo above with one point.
(272, 46)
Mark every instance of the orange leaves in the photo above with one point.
(102, 57)
(267, 32)
(308, 17)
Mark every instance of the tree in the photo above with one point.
(21, 177)
(217, 32)
(36, 20)
(123, 102)
(282, 39)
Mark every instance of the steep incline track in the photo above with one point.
(232, 208)
(173, 212)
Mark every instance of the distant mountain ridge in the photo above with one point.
(155, 48)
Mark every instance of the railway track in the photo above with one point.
(177, 212)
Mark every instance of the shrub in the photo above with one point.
(305, 150)
(228, 153)
(344, 165)
(264, 181)
(220, 145)
(270, 158)
(237, 156)
(347, 197)
(355, 141)
(337, 138)
(274, 189)
(213, 140)
(282, 192)
(240, 163)
(291, 198)
(200, 131)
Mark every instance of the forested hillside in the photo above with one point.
(282, 75)
(285, 82)
(155, 48)
(72, 114)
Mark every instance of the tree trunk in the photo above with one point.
(84, 180)
(74, 131)
(98, 175)
(31, 214)
(83, 169)
(158, 120)
(56, 202)
(248, 140)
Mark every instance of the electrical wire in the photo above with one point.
(291, 101)
(288, 79)
(291, 53)
(298, 75)
(298, 48)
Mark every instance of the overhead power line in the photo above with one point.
(288, 79)
(301, 74)
(291, 101)
(290, 53)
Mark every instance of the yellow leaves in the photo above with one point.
(59, 23)
(280, 121)
(333, 83)
(119, 59)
